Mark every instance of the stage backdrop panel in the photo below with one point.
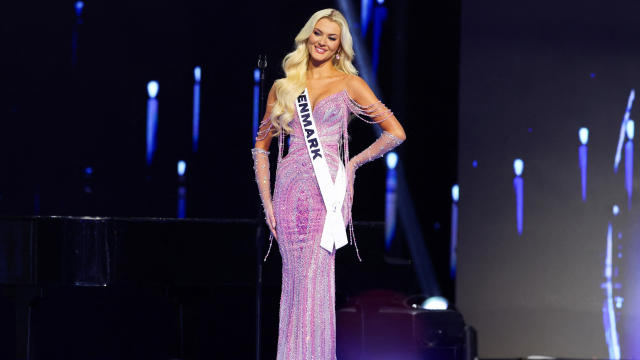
(532, 75)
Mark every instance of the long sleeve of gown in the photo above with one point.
(262, 174)
(385, 143)
(377, 113)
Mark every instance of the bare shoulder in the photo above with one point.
(359, 90)
(272, 96)
(355, 81)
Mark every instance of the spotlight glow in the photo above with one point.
(435, 303)
(197, 73)
(631, 128)
(583, 152)
(455, 192)
(583, 134)
(616, 210)
(256, 75)
(182, 167)
(152, 119)
(152, 88)
(623, 128)
(195, 131)
(518, 166)
(79, 6)
(518, 187)
(392, 160)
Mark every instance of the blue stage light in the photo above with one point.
(197, 73)
(455, 196)
(608, 307)
(195, 131)
(152, 119)
(518, 166)
(474, 163)
(435, 303)
(391, 199)
(616, 210)
(628, 160)
(256, 75)
(152, 89)
(518, 186)
(623, 129)
(631, 128)
(182, 167)
(392, 160)
(88, 170)
(79, 6)
(366, 7)
(583, 135)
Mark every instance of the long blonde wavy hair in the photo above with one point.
(295, 67)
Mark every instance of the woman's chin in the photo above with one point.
(319, 59)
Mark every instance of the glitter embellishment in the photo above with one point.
(307, 328)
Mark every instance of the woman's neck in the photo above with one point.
(320, 71)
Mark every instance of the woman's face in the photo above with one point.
(324, 40)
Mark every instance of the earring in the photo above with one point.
(337, 56)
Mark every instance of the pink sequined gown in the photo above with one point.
(307, 305)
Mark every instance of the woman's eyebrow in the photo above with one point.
(321, 31)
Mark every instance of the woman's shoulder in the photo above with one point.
(354, 80)
(274, 89)
(357, 88)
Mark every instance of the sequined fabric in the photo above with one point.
(307, 304)
(307, 327)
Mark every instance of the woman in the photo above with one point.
(321, 66)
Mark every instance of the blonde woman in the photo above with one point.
(321, 65)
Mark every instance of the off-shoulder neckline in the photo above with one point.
(315, 106)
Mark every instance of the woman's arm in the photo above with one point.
(264, 135)
(260, 154)
(392, 135)
(369, 105)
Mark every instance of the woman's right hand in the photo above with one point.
(270, 218)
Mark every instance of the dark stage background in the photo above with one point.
(57, 120)
(533, 74)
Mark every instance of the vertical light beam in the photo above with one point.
(583, 135)
(79, 6)
(379, 16)
(608, 309)
(623, 129)
(390, 203)
(197, 75)
(152, 119)
(628, 161)
(455, 196)
(366, 6)
(518, 185)
(406, 213)
(182, 190)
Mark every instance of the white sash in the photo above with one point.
(334, 231)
